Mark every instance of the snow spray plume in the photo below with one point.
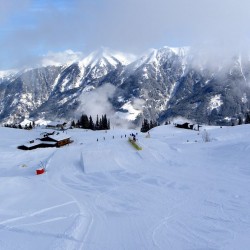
(97, 102)
(138, 103)
(134, 113)
(214, 61)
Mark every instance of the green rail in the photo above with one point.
(134, 144)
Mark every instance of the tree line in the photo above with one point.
(247, 118)
(85, 122)
(147, 125)
(19, 126)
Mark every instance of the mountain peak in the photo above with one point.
(180, 51)
(110, 56)
(165, 82)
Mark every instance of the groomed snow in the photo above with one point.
(178, 192)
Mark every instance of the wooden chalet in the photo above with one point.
(47, 142)
(37, 144)
(60, 140)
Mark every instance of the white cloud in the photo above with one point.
(96, 102)
(130, 26)
(60, 58)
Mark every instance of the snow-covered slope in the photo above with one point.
(178, 192)
(7, 75)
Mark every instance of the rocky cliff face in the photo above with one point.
(161, 85)
(26, 92)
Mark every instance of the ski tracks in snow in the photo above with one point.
(84, 220)
(35, 213)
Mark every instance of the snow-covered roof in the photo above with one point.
(29, 145)
(59, 137)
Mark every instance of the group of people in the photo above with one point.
(133, 136)
(112, 137)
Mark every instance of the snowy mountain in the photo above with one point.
(152, 79)
(178, 192)
(7, 75)
(162, 84)
(26, 92)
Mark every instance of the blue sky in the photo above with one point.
(29, 29)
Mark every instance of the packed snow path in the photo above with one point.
(176, 193)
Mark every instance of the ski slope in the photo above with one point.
(178, 192)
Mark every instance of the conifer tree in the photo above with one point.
(105, 122)
(97, 123)
(240, 121)
(247, 118)
(73, 124)
(101, 123)
(84, 121)
(108, 124)
(87, 123)
(91, 123)
(78, 123)
(145, 126)
(151, 125)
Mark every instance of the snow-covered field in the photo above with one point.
(178, 192)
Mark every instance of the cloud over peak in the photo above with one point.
(30, 28)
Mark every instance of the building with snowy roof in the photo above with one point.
(59, 139)
(47, 141)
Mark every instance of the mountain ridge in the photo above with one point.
(168, 82)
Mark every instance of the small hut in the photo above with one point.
(59, 139)
(49, 140)
(37, 144)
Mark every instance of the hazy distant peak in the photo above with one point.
(61, 58)
(154, 56)
(7, 74)
(104, 54)
(180, 51)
